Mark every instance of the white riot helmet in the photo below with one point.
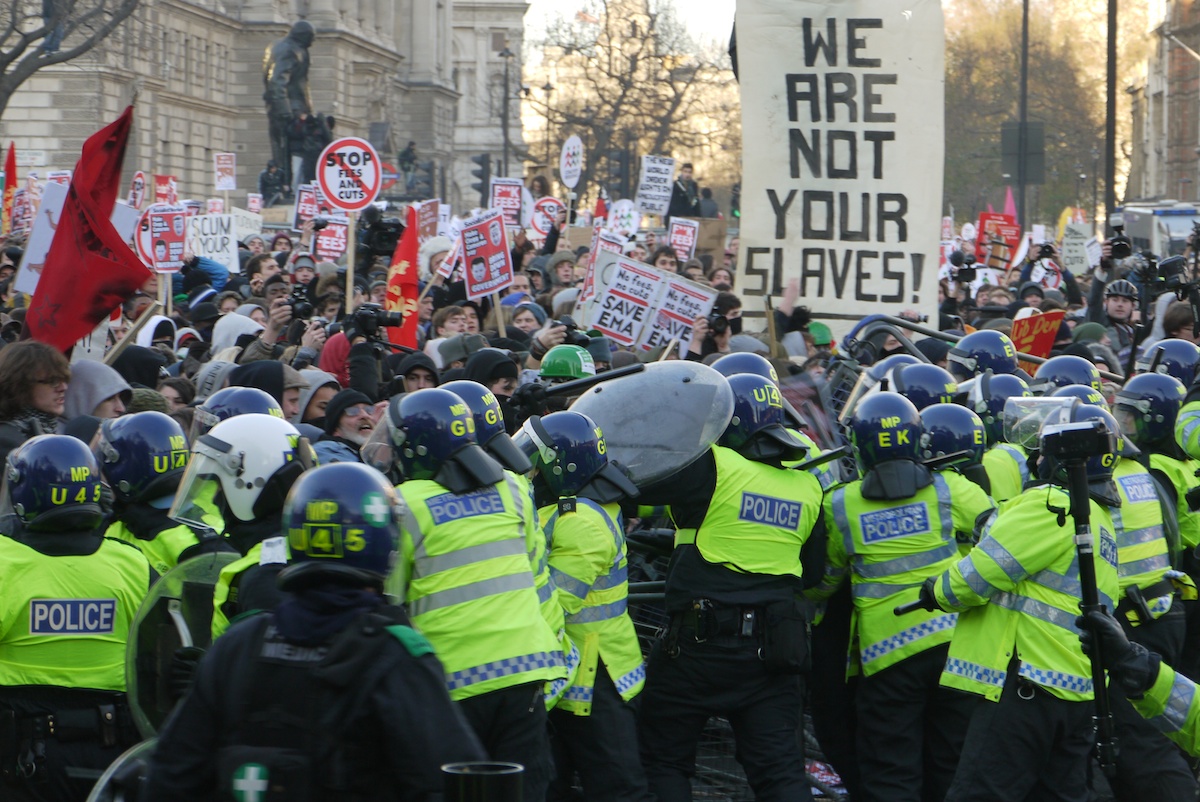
(242, 468)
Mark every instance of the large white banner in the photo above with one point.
(842, 154)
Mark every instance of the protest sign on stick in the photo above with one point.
(486, 258)
(654, 185)
(682, 237)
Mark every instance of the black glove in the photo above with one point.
(530, 398)
(146, 522)
(183, 670)
(926, 599)
(1133, 667)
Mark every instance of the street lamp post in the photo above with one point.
(507, 55)
(548, 88)
(1095, 186)
(1079, 188)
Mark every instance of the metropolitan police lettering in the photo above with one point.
(72, 616)
(1108, 547)
(1138, 487)
(771, 511)
(451, 507)
(911, 519)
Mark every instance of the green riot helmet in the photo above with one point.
(566, 362)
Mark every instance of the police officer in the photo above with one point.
(736, 645)
(230, 402)
(947, 430)
(69, 595)
(1149, 609)
(466, 576)
(578, 491)
(1174, 357)
(1063, 370)
(888, 531)
(981, 351)
(244, 467)
(1006, 464)
(332, 695)
(143, 457)
(1016, 645)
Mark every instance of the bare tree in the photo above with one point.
(38, 34)
(630, 82)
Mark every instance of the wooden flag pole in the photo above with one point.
(351, 258)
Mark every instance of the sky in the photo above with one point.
(706, 19)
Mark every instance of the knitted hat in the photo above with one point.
(337, 406)
(460, 346)
(1088, 332)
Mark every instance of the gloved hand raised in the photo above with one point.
(1133, 667)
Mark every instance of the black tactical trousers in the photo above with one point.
(1029, 746)
(511, 725)
(601, 747)
(724, 676)
(910, 730)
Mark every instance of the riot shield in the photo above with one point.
(657, 421)
(177, 612)
(122, 779)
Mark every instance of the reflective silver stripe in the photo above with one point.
(471, 592)
(1017, 457)
(945, 511)
(975, 580)
(602, 612)
(900, 565)
(1175, 713)
(976, 672)
(1003, 558)
(879, 590)
(1064, 583)
(409, 521)
(545, 592)
(613, 579)
(1159, 562)
(1037, 609)
(564, 581)
(427, 566)
(1056, 679)
(1188, 421)
(514, 490)
(841, 521)
(951, 599)
(906, 636)
(1134, 537)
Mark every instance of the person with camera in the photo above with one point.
(1015, 644)
(711, 334)
(1044, 267)
(1112, 301)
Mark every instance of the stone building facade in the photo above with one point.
(387, 70)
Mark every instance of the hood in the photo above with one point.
(316, 379)
(229, 328)
(141, 366)
(145, 335)
(93, 382)
(269, 376)
(211, 377)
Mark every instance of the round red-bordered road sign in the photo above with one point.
(350, 174)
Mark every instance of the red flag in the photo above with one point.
(402, 288)
(601, 212)
(89, 269)
(10, 189)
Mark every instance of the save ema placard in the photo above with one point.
(842, 154)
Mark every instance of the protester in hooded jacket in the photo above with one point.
(207, 270)
(96, 389)
(282, 382)
(315, 398)
(158, 329)
(141, 366)
(34, 377)
(231, 328)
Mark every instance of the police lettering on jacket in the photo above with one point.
(910, 519)
(1138, 487)
(452, 507)
(770, 511)
(72, 616)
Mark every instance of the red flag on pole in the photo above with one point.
(89, 269)
(402, 289)
(10, 188)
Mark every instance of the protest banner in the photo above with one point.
(654, 185)
(40, 237)
(254, 202)
(427, 220)
(212, 236)
(505, 195)
(22, 211)
(682, 237)
(1035, 335)
(161, 237)
(836, 98)
(225, 172)
(997, 241)
(486, 258)
(545, 216)
(446, 269)
(137, 190)
(62, 177)
(680, 303)
(245, 223)
(214, 206)
(1075, 248)
(570, 162)
(165, 189)
(333, 240)
(350, 174)
(308, 205)
(623, 218)
(622, 309)
(444, 215)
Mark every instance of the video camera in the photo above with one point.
(1122, 247)
(1077, 442)
(573, 335)
(963, 266)
(370, 318)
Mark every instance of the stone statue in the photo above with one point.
(285, 84)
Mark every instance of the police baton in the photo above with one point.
(822, 458)
(577, 386)
(1085, 549)
(482, 781)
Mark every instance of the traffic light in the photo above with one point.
(483, 171)
(422, 187)
(618, 172)
(735, 201)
